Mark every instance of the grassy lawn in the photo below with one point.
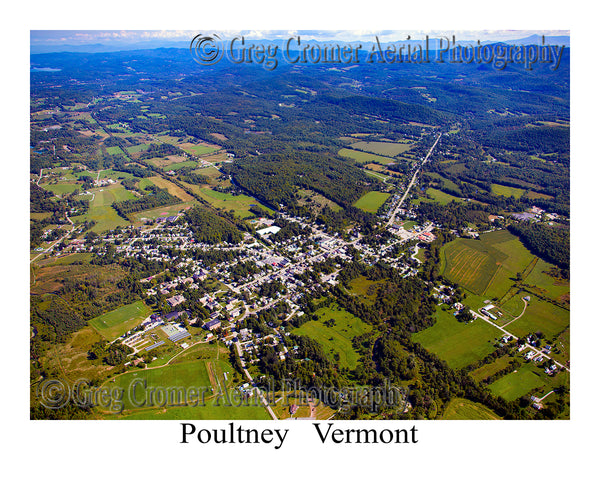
(198, 149)
(364, 157)
(388, 149)
(463, 409)
(457, 343)
(177, 166)
(442, 197)
(544, 284)
(336, 339)
(371, 201)
(113, 324)
(164, 211)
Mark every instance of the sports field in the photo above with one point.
(463, 409)
(457, 343)
(113, 324)
(371, 201)
(387, 149)
(364, 157)
(338, 338)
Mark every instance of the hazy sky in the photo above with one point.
(108, 37)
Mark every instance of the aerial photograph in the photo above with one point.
(313, 225)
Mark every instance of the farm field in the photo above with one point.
(371, 201)
(173, 189)
(541, 282)
(364, 157)
(488, 370)
(485, 266)
(388, 149)
(528, 377)
(164, 211)
(61, 188)
(505, 191)
(240, 204)
(114, 150)
(463, 409)
(438, 196)
(457, 343)
(113, 324)
(336, 340)
(100, 210)
(540, 316)
(198, 149)
(202, 368)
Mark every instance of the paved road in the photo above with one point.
(57, 241)
(392, 218)
(256, 389)
(538, 352)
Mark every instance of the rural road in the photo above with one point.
(538, 352)
(392, 218)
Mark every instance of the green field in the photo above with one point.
(114, 150)
(457, 343)
(100, 210)
(364, 157)
(521, 382)
(371, 201)
(137, 148)
(463, 409)
(486, 266)
(336, 339)
(113, 324)
(198, 149)
(489, 369)
(202, 368)
(360, 287)
(540, 316)
(240, 204)
(387, 149)
(61, 188)
(505, 191)
(544, 284)
(177, 166)
(438, 196)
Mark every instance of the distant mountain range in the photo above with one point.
(152, 44)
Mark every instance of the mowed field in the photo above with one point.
(485, 266)
(336, 339)
(463, 409)
(371, 201)
(173, 189)
(457, 343)
(528, 376)
(364, 157)
(240, 204)
(113, 324)
(161, 392)
(386, 149)
(100, 210)
(505, 191)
